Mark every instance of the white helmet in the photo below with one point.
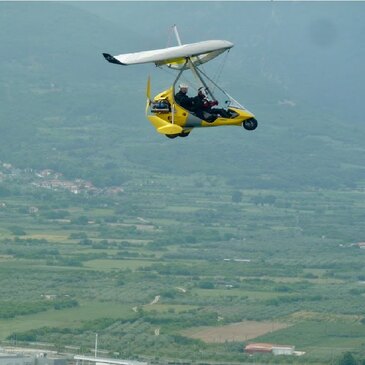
(183, 86)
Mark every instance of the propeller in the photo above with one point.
(148, 88)
(148, 94)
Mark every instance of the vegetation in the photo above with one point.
(243, 261)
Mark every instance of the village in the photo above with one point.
(52, 180)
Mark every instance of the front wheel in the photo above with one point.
(184, 134)
(172, 136)
(250, 124)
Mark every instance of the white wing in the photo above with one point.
(174, 57)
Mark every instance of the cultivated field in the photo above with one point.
(241, 331)
(219, 274)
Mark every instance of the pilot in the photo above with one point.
(183, 99)
(204, 108)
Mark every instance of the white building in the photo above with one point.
(15, 359)
(260, 347)
(283, 350)
(30, 357)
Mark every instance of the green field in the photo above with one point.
(67, 318)
(104, 277)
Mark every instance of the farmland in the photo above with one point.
(234, 332)
(223, 272)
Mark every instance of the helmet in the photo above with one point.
(201, 90)
(183, 86)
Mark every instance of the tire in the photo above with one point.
(250, 124)
(172, 136)
(184, 134)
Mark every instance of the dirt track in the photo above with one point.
(241, 331)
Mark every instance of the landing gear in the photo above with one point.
(250, 124)
(182, 134)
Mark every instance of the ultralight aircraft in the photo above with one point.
(165, 114)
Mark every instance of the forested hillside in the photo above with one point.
(63, 107)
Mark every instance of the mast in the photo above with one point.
(192, 67)
(177, 35)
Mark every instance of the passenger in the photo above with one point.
(203, 108)
(183, 99)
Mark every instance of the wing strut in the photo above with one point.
(237, 104)
(195, 72)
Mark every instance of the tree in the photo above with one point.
(17, 231)
(4, 191)
(236, 196)
(206, 285)
(347, 359)
(82, 220)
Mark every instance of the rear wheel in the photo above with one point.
(171, 135)
(250, 124)
(184, 134)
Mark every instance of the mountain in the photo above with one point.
(295, 65)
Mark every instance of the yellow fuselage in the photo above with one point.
(178, 120)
